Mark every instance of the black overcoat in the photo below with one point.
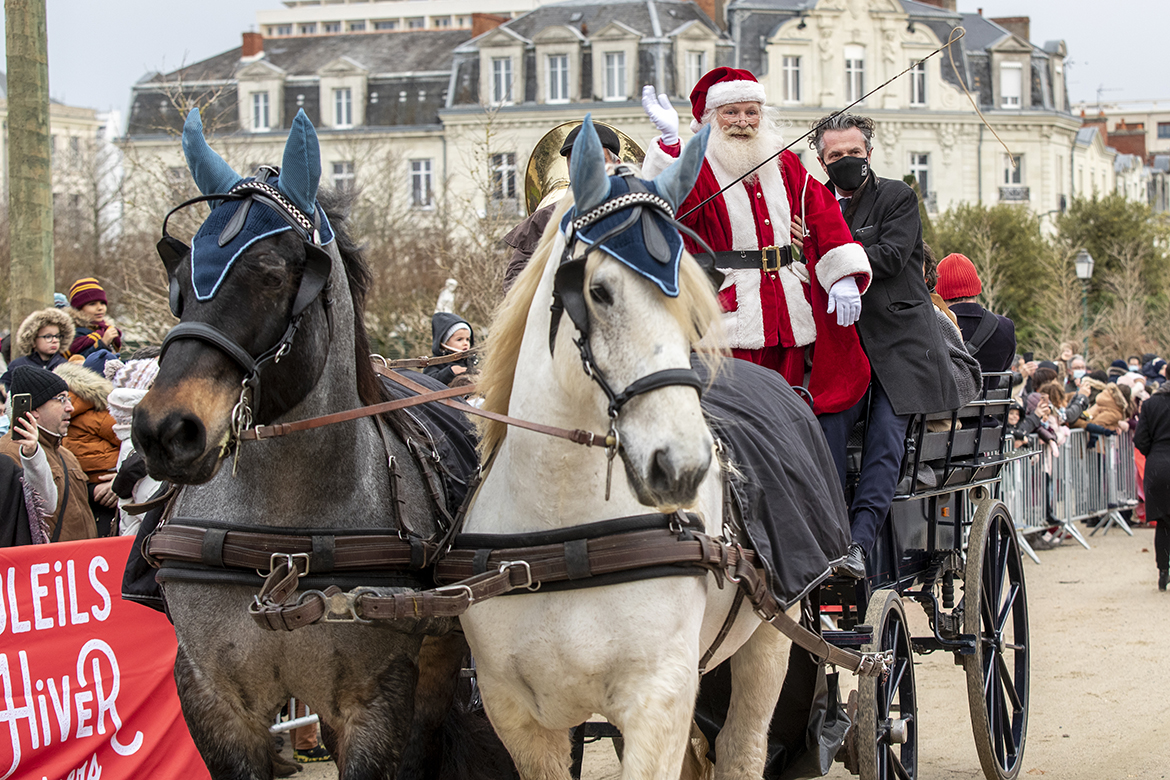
(898, 329)
(1153, 440)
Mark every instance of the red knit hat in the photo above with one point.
(957, 278)
(720, 87)
(86, 291)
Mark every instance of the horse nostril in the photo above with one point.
(662, 471)
(181, 437)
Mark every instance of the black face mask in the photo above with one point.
(848, 173)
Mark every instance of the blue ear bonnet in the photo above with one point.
(211, 262)
(630, 245)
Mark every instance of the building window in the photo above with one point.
(309, 29)
(464, 22)
(504, 176)
(615, 75)
(501, 80)
(441, 22)
(790, 72)
(918, 84)
(74, 150)
(284, 29)
(1013, 174)
(386, 24)
(1164, 129)
(421, 191)
(696, 67)
(920, 170)
(259, 111)
(357, 26)
(416, 23)
(854, 73)
(332, 27)
(558, 78)
(343, 176)
(1011, 76)
(343, 107)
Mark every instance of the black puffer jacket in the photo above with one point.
(441, 323)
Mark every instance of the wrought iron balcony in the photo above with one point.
(1014, 194)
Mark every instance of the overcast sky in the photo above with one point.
(99, 48)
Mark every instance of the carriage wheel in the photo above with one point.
(887, 715)
(996, 612)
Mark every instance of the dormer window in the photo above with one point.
(343, 107)
(1011, 77)
(259, 112)
(501, 80)
(918, 84)
(615, 75)
(854, 73)
(558, 78)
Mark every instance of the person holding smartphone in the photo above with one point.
(41, 428)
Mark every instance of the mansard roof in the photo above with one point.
(380, 53)
(655, 19)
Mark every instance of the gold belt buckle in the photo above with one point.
(769, 262)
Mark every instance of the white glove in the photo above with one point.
(662, 114)
(845, 299)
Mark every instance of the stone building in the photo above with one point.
(459, 108)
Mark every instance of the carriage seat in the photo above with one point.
(961, 446)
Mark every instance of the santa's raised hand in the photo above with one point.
(662, 114)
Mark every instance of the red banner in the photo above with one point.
(86, 678)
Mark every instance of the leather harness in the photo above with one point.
(474, 566)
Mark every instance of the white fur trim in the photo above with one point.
(695, 126)
(842, 261)
(744, 327)
(741, 91)
(800, 313)
(656, 160)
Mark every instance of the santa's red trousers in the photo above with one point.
(786, 361)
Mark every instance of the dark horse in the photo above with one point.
(270, 301)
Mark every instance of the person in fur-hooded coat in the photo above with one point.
(40, 354)
(91, 429)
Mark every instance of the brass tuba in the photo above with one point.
(547, 175)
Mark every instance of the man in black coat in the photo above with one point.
(898, 327)
(990, 337)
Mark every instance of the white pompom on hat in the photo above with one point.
(721, 86)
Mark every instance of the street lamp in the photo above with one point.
(1084, 267)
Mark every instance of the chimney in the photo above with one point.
(1018, 26)
(481, 23)
(253, 45)
(946, 5)
(714, 11)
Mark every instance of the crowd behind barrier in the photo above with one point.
(1086, 480)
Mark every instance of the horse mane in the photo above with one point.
(696, 308)
(337, 205)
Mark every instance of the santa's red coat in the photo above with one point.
(786, 308)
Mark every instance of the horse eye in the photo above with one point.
(601, 295)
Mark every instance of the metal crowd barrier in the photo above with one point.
(1081, 483)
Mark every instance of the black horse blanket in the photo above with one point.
(787, 489)
(794, 513)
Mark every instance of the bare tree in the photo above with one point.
(1124, 325)
(1059, 294)
(984, 258)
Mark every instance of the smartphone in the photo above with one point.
(21, 405)
(1027, 357)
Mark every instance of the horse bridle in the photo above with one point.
(314, 283)
(569, 295)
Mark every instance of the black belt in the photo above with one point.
(770, 258)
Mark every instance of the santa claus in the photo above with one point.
(777, 306)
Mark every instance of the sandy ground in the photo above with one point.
(1100, 688)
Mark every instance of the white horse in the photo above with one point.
(631, 652)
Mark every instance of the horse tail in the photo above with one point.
(451, 737)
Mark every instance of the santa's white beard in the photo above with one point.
(738, 155)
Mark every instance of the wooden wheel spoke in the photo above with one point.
(894, 683)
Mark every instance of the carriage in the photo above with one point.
(628, 650)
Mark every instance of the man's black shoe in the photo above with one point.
(854, 563)
(1163, 578)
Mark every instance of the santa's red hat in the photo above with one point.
(720, 87)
